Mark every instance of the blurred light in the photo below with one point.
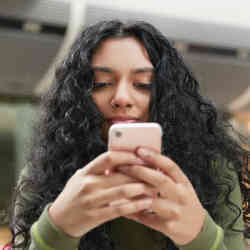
(32, 27)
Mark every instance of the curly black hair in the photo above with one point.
(69, 135)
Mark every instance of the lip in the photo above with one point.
(123, 119)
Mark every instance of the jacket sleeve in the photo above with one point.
(213, 237)
(46, 236)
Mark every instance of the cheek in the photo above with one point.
(145, 101)
(99, 100)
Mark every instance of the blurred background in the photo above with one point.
(214, 39)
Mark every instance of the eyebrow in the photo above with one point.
(102, 69)
(143, 70)
(135, 71)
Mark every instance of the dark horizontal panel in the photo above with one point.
(10, 23)
(17, 24)
(211, 50)
(12, 98)
(49, 29)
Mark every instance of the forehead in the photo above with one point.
(124, 53)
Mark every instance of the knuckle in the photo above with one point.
(81, 172)
(108, 158)
(82, 187)
(186, 182)
(170, 226)
(134, 190)
(150, 156)
(139, 189)
(161, 180)
(88, 184)
(118, 210)
(138, 205)
(89, 187)
(181, 192)
(87, 204)
(125, 179)
(176, 212)
(90, 213)
(124, 192)
(78, 172)
(172, 168)
(142, 189)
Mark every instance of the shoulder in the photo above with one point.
(24, 173)
(229, 202)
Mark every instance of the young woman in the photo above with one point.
(118, 72)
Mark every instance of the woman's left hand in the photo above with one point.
(178, 212)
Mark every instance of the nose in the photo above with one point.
(122, 97)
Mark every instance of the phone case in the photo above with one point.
(129, 136)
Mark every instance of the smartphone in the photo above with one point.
(129, 136)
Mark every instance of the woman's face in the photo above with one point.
(122, 81)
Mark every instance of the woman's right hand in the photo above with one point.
(85, 200)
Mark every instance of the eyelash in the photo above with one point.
(99, 85)
(144, 85)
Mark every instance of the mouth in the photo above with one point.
(129, 119)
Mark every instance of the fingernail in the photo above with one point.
(144, 152)
(139, 161)
(148, 201)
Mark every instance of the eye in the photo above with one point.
(143, 85)
(99, 85)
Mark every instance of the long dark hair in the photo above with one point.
(68, 135)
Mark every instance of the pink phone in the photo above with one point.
(129, 136)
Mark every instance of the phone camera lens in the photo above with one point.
(118, 134)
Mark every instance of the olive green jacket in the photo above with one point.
(134, 236)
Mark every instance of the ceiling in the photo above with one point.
(31, 34)
(217, 53)
(223, 68)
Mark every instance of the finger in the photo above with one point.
(112, 212)
(148, 175)
(163, 163)
(118, 202)
(167, 209)
(161, 182)
(102, 197)
(110, 160)
(95, 182)
(124, 200)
